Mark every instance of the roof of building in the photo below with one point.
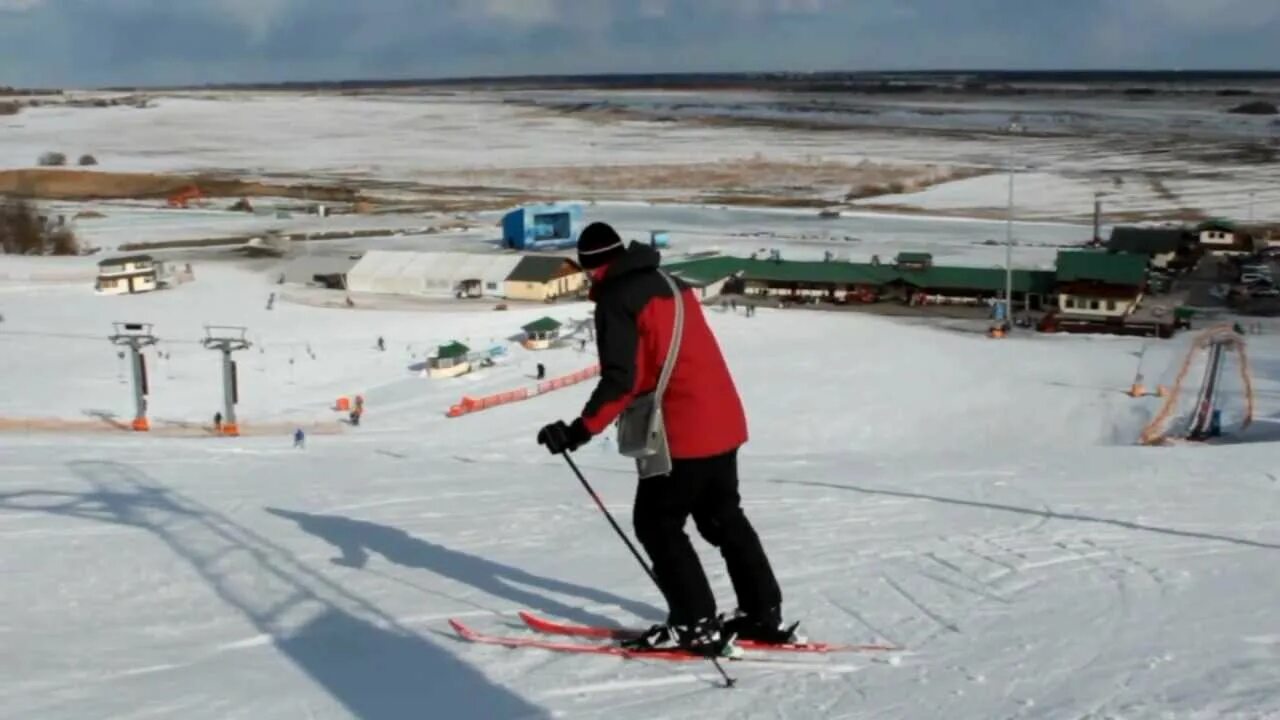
(418, 273)
(542, 325)
(708, 270)
(991, 279)
(1073, 265)
(541, 268)
(817, 272)
(1217, 224)
(705, 271)
(914, 257)
(454, 349)
(1146, 241)
(125, 259)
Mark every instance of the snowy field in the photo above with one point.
(416, 143)
(980, 503)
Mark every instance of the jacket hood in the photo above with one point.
(638, 258)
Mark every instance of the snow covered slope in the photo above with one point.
(979, 502)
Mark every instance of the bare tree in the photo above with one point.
(52, 159)
(24, 232)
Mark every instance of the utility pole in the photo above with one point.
(227, 339)
(137, 336)
(1008, 247)
(1097, 217)
(1251, 194)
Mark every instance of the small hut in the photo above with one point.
(539, 334)
(450, 361)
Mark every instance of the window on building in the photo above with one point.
(1111, 304)
(1093, 304)
(1071, 302)
(491, 286)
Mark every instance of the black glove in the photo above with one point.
(561, 438)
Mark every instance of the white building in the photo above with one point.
(1223, 238)
(127, 275)
(456, 274)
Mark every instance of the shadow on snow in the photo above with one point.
(369, 663)
(357, 539)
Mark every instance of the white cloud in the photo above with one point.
(522, 12)
(256, 16)
(1210, 15)
(19, 5)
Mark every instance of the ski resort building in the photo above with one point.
(1220, 237)
(443, 274)
(1098, 284)
(912, 279)
(127, 275)
(544, 278)
(541, 333)
(450, 360)
(1163, 247)
(543, 227)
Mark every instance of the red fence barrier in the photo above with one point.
(470, 405)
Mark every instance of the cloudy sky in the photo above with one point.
(97, 42)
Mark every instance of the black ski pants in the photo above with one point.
(707, 489)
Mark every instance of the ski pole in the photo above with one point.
(609, 516)
(728, 681)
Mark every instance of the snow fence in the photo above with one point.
(470, 404)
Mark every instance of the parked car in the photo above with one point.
(1251, 278)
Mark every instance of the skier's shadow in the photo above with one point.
(357, 539)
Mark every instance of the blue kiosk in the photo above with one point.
(553, 226)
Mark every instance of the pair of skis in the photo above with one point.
(552, 627)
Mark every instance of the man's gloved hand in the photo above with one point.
(561, 438)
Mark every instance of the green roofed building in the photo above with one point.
(540, 333)
(1099, 284)
(1222, 237)
(450, 360)
(913, 277)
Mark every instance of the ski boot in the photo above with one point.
(763, 628)
(701, 638)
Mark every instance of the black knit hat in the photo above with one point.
(598, 244)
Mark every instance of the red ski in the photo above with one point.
(467, 633)
(553, 627)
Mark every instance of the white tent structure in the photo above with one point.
(387, 272)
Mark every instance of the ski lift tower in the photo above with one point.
(227, 339)
(137, 336)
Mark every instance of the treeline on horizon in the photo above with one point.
(1010, 81)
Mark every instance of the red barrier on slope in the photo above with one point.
(470, 404)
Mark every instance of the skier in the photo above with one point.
(542, 371)
(217, 421)
(299, 439)
(705, 423)
(382, 344)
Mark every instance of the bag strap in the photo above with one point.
(674, 349)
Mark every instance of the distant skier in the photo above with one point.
(382, 344)
(542, 371)
(217, 421)
(299, 439)
(705, 426)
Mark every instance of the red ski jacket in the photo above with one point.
(635, 321)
